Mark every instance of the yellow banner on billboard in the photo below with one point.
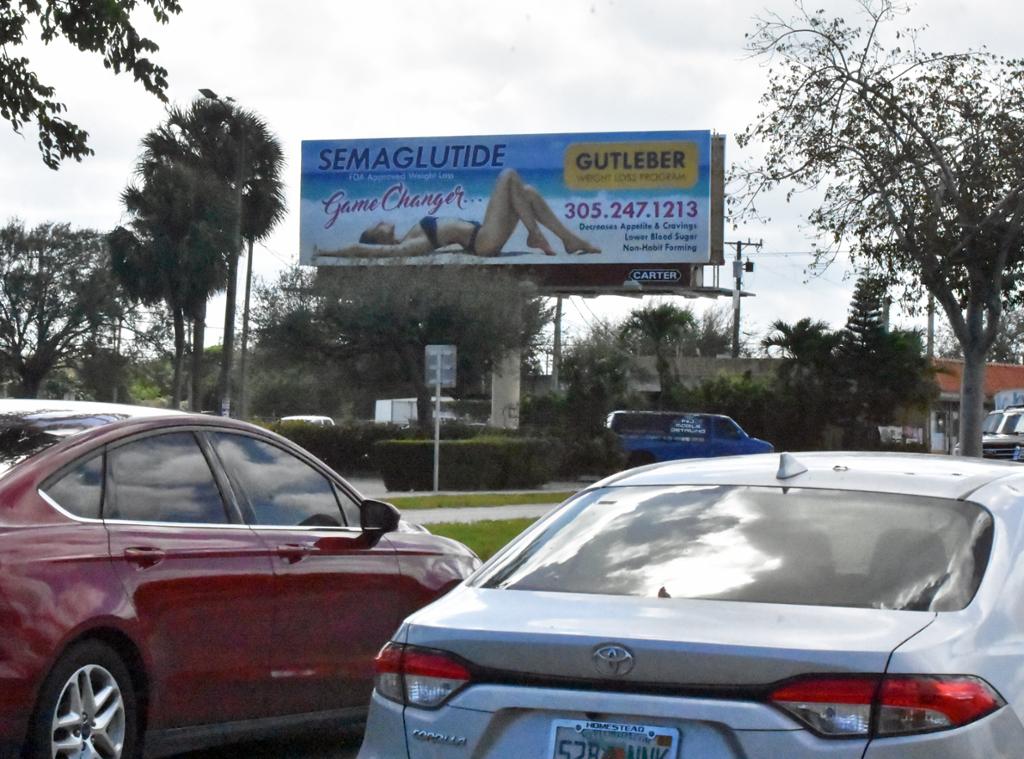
(631, 165)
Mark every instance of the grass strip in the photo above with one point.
(464, 500)
(485, 538)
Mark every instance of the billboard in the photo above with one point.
(628, 201)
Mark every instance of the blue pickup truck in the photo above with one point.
(649, 436)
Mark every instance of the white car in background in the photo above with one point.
(835, 605)
(322, 421)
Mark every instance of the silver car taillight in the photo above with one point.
(849, 705)
(388, 672)
(420, 677)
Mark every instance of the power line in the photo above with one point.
(587, 306)
(583, 316)
(811, 277)
(275, 254)
(800, 252)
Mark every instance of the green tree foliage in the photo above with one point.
(918, 157)
(867, 320)
(172, 249)
(379, 319)
(596, 369)
(118, 364)
(670, 332)
(757, 405)
(856, 378)
(711, 335)
(95, 26)
(1007, 348)
(234, 148)
(238, 147)
(882, 369)
(807, 349)
(659, 328)
(808, 383)
(56, 293)
(282, 388)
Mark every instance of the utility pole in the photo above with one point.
(738, 268)
(556, 361)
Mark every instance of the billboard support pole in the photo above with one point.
(437, 426)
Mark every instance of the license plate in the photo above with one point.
(585, 739)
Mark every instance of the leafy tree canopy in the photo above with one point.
(56, 293)
(383, 317)
(660, 328)
(172, 250)
(95, 26)
(1007, 348)
(237, 147)
(856, 378)
(597, 369)
(917, 155)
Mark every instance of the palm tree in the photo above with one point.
(809, 376)
(237, 146)
(659, 328)
(240, 149)
(806, 347)
(263, 208)
(171, 250)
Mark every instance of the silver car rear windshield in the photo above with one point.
(763, 545)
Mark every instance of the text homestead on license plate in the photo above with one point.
(585, 739)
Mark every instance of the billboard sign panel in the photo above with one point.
(629, 198)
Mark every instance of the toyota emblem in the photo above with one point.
(613, 660)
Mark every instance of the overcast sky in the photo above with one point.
(388, 68)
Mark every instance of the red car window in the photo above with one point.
(280, 489)
(164, 478)
(80, 491)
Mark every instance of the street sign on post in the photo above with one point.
(440, 363)
(440, 371)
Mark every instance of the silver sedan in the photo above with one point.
(839, 605)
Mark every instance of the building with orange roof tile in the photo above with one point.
(1004, 385)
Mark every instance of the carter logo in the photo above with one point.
(655, 275)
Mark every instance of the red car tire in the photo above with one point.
(91, 681)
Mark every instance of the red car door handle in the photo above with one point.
(293, 552)
(144, 556)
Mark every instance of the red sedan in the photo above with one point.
(179, 581)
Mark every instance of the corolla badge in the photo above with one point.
(612, 660)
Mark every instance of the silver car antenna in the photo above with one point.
(789, 467)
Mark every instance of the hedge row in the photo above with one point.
(350, 449)
(482, 463)
(347, 449)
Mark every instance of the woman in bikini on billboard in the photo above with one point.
(511, 202)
